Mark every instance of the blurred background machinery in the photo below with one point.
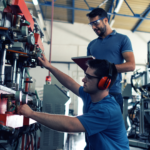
(137, 109)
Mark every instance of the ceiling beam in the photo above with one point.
(141, 20)
(87, 4)
(66, 7)
(110, 10)
(129, 7)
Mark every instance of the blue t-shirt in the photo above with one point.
(103, 123)
(111, 49)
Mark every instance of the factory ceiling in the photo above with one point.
(132, 15)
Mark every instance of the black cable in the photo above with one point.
(17, 139)
(35, 142)
(3, 146)
(34, 135)
(29, 143)
(16, 147)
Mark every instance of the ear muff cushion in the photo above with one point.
(104, 83)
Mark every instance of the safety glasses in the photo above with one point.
(89, 77)
(96, 22)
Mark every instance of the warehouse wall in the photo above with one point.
(71, 40)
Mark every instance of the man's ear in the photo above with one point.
(106, 20)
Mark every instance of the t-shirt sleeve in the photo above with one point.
(95, 121)
(126, 45)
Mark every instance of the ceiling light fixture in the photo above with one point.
(35, 2)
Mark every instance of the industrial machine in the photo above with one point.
(20, 46)
(139, 114)
(55, 102)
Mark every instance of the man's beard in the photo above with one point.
(89, 91)
(102, 31)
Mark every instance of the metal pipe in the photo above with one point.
(2, 66)
(14, 71)
(51, 32)
(22, 82)
(142, 116)
(18, 21)
(18, 76)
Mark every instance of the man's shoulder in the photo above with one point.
(123, 36)
(109, 101)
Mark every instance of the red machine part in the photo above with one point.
(19, 7)
(28, 121)
(27, 84)
(27, 139)
(3, 105)
(38, 41)
(48, 78)
(23, 141)
(13, 121)
(10, 120)
(8, 9)
(3, 28)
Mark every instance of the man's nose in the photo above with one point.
(84, 79)
(93, 26)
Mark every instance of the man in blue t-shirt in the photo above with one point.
(111, 46)
(102, 119)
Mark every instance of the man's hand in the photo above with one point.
(43, 61)
(25, 110)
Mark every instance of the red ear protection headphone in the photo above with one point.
(105, 81)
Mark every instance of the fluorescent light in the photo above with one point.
(116, 11)
(118, 6)
(35, 2)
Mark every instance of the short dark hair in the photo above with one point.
(102, 69)
(97, 12)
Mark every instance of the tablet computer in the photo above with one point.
(81, 61)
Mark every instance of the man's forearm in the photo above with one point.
(64, 79)
(56, 122)
(61, 77)
(125, 67)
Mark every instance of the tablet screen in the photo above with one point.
(81, 61)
